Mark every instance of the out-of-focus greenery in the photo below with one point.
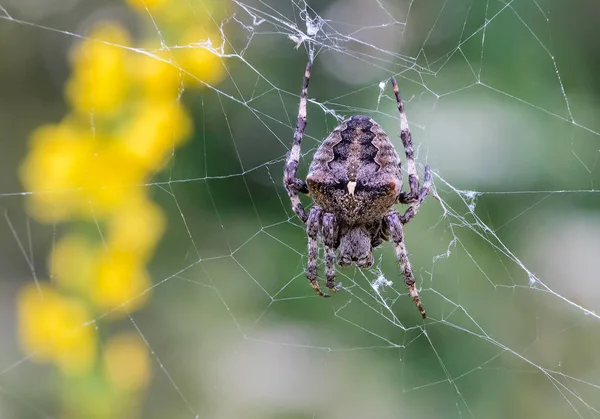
(151, 263)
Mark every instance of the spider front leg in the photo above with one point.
(416, 204)
(313, 225)
(415, 196)
(329, 241)
(395, 226)
(292, 184)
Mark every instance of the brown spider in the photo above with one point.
(354, 180)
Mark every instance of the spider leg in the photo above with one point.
(329, 241)
(313, 225)
(415, 196)
(423, 193)
(293, 185)
(395, 225)
(406, 137)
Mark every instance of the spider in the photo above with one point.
(354, 180)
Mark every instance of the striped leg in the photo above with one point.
(395, 226)
(415, 196)
(423, 193)
(313, 226)
(329, 241)
(292, 184)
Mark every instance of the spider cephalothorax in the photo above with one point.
(355, 180)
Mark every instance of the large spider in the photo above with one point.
(354, 180)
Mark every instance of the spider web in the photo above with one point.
(501, 106)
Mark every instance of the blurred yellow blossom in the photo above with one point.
(126, 362)
(156, 128)
(111, 273)
(100, 81)
(142, 5)
(136, 228)
(198, 59)
(81, 175)
(53, 327)
(158, 77)
(72, 263)
(125, 121)
(121, 282)
(52, 168)
(108, 178)
(179, 15)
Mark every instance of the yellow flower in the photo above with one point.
(53, 328)
(198, 59)
(100, 79)
(110, 178)
(121, 282)
(52, 169)
(125, 121)
(72, 263)
(141, 5)
(157, 127)
(159, 80)
(73, 172)
(178, 15)
(111, 273)
(136, 228)
(126, 363)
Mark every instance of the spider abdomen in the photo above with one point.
(355, 172)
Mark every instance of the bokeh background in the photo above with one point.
(150, 263)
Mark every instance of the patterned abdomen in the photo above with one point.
(355, 172)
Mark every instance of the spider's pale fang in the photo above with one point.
(351, 187)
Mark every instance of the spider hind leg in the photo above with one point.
(329, 241)
(395, 226)
(313, 226)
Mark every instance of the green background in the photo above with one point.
(502, 98)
